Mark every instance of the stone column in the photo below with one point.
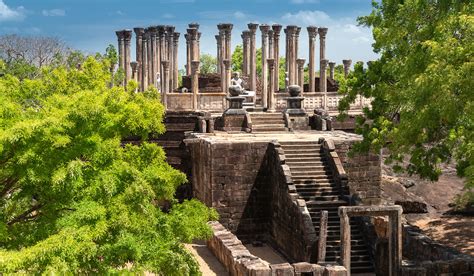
(297, 39)
(227, 75)
(271, 50)
(188, 55)
(276, 55)
(287, 47)
(120, 39)
(127, 59)
(144, 65)
(331, 69)
(139, 55)
(312, 33)
(300, 62)
(165, 80)
(134, 66)
(149, 56)
(245, 52)
(170, 32)
(154, 60)
(347, 64)
(291, 35)
(175, 60)
(322, 44)
(264, 30)
(195, 82)
(253, 56)
(323, 81)
(221, 45)
(218, 42)
(228, 40)
(271, 93)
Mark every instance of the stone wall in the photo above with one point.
(291, 230)
(229, 177)
(363, 172)
(235, 257)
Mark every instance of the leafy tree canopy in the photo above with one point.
(423, 102)
(208, 64)
(73, 199)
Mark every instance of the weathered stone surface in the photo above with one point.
(284, 269)
(412, 207)
(335, 271)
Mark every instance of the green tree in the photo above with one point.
(423, 103)
(208, 64)
(73, 198)
(238, 59)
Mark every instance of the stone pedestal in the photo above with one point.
(296, 115)
(235, 116)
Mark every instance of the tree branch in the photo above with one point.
(25, 215)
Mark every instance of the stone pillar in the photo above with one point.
(218, 42)
(276, 54)
(227, 74)
(175, 60)
(121, 52)
(127, 58)
(253, 56)
(195, 82)
(139, 55)
(331, 69)
(170, 52)
(245, 52)
(347, 64)
(312, 33)
(188, 55)
(228, 40)
(291, 63)
(271, 92)
(195, 42)
(264, 30)
(271, 50)
(323, 81)
(134, 66)
(221, 45)
(287, 47)
(165, 65)
(144, 65)
(149, 56)
(154, 60)
(300, 62)
(322, 45)
(297, 39)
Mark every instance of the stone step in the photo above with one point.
(313, 184)
(268, 128)
(306, 166)
(181, 127)
(269, 119)
(255, 115)
(320, 198)
(362, 270)
(315, 193)
(316, 189)
(310, 176)
(311, 172)
(298, 142)
(335, 203)
(292, 151)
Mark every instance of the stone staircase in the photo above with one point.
(267, 122)
(314, 183)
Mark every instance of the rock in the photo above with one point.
(408, 183)
(412, 207)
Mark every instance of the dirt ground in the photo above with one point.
(439, 223)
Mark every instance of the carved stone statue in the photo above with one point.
(236, 80)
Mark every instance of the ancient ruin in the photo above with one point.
(273, 161)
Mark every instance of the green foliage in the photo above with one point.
(423, 104)
(238, 59)
(208, 64)
(73, 199)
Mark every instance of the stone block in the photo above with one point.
(284, 269)
(335, 271)
(302, 267)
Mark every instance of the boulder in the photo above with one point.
(412, 207)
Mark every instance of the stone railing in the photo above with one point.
(339, 174)
(315, 100)
(205, 101)
(236, 258)
(291, 226)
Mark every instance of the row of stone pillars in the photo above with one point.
(157, 57)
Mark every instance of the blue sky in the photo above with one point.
(90, 25)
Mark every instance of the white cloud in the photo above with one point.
(351, 28)
(8, 14)
(168, 16)
(307, 18)
(54, 12)
(305, 1)
(361, 39)
(239, 15)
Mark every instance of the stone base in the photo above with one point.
(235, 120)
(297, 120)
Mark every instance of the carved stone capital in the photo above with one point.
(271, 63)
(300, 62)
(324, 64)
(193, 25)
(276, 29)
(322, 31)
(166, 65)
(139, 31)
(226, 64)
(347, 62)
(264, 28)
(127, 35)
(252, 27)
(176, 37)
(195, 65)
(312, 31)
